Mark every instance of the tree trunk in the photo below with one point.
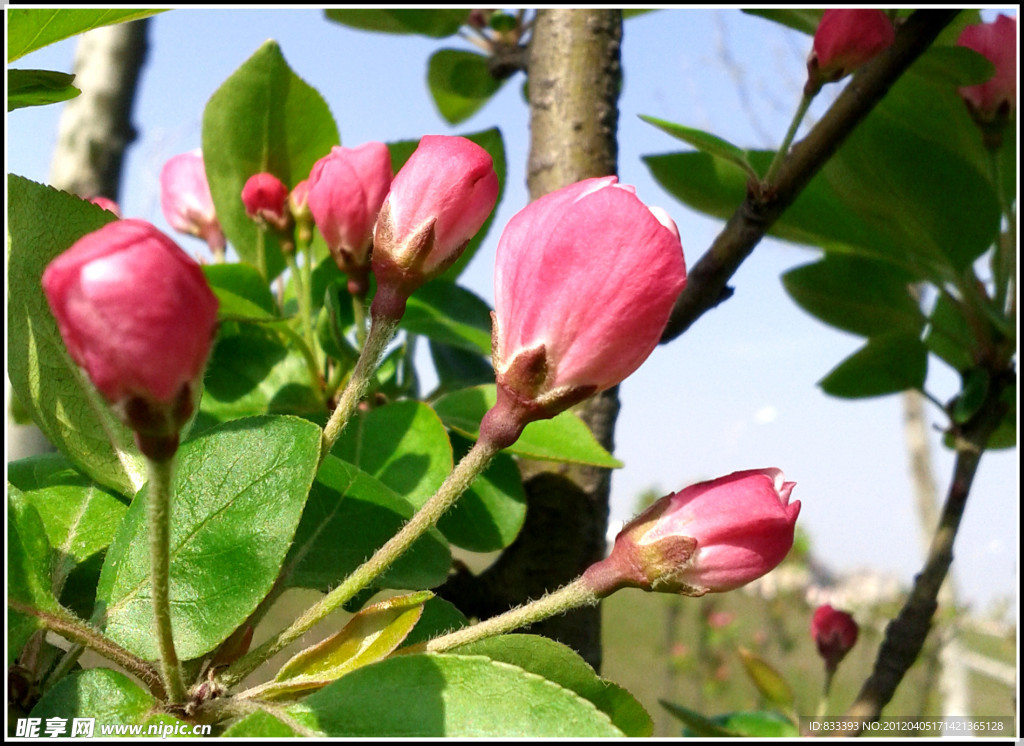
(574, 78)
(95, 127)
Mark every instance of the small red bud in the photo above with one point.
(835, 633)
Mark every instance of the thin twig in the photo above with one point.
(706, 281)
(905, 635)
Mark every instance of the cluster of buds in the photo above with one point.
(707, 538)
(844, 41)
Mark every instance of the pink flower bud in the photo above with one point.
(135, 312)
(835, 633)
(298, 201)
(107, 204)
(585, 280)
(346, 189)
(266, 200)
(438, 201)
(845, 40)
(708, 538)
(996, 97)
(186, 201)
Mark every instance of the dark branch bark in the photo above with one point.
(706, 281)
(905, 635)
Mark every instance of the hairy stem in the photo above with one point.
(78, 631)
(381, 330)
(574, 595)
(159, 510)
(471, 466)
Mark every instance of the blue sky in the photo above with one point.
(737, 391)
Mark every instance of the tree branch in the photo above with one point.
(706, 281)
(905, 635)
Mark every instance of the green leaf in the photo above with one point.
(958, 66)
(564, 438)
(42, 223)
(29, 560)
(263, 118)
(801, 20)
(336, 317)
(445, 312)
(439, 617)
(237, 495)
(910, 186)
(241, 290)
(859, 295)
(460, 82)
(79, 517)
(348, 516)
(28, 30)
(491, 141)
(403, 444)
(450, 696)
(491, 512)
(38, 88)
(887, 364)
(759, 724)
(1005, 435)
(949, 335)
(252, 372)
(706, 142)
(922, 193)
(558, 663)
(458, 369)
(733, 724)
(973, 391)
(369, 636)
(769, 682)
(435, 23)
(263, 723)
(108, 696)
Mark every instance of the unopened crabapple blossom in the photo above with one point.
(585, 280)
(707, 538)
(438, 201)
(137, 314)
(993, 102)
(845, 40)
(186, 200)
(266, 201)
(834, 633)
(346, 190)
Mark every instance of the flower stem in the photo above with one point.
(305, 312)
(80, 632)
(471, 465)
(381, 331)
(1004, 265)
(574, 595)
(159, 508)
(780, 155)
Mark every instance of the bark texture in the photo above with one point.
(95, 127)
(574, 79)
